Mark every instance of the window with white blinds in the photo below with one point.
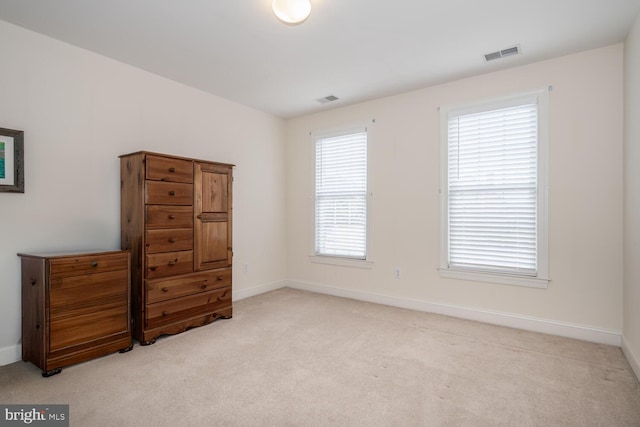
(494, 197)
(341, 195)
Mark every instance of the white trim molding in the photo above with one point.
(11, 354)
(534, 273)
(257, 290)
(545, 326)
(504, 279)
(315, 256)
(632, 358)
(344, 262)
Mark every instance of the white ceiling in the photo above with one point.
(353, 49)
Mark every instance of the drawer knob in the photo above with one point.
(94, 264)
(165, 313)
(172, 263)
(220, 278)
(153, 268)
(165, 289)
(203, 286)
(33, 282)
(172, 217)
(172, 240)
(172, 193)
(172, 170)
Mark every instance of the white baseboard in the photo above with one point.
(10, 354)
(632, 358)
(257, 290)
(552, 327)
(13, 353)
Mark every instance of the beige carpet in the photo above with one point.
(294, 358)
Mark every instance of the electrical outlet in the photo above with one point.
(397, 272)
(245, 268)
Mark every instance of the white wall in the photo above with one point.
(79, 111)
(631, 331)
(585, 212)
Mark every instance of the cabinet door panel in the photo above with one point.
(215, 191)
(213, 247)
(212, 210)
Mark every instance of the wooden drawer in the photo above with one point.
(87, 307)
(169, 264)
(93, 264)
(169, 240)
(168, 193)
(85, 324)
(67, 294)
(162, 290)
(179, 309)
(169, 216)
(169, 169)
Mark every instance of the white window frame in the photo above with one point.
(541, 279)
(345, 261)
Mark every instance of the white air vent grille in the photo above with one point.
(326, 99)
(502, 53)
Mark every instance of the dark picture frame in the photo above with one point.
(11, 161)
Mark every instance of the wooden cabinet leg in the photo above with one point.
(52, 372)
(125, 350)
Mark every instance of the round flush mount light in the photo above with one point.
(291, 12)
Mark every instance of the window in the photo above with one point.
(494, 192)
(341, 195)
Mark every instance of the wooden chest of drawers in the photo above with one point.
(176, 220)
(75, 306)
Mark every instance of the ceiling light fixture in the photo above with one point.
(291, 12)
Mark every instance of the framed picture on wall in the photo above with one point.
(11, 161)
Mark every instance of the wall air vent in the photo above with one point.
(326, 99)
(510, 51)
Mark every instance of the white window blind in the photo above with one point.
(493, 190)
(341, 195)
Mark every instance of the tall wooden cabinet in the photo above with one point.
(176, 219)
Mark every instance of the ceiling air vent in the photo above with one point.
(502, 53)
(326, 99)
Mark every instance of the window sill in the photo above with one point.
(345, 262)
(502, 279)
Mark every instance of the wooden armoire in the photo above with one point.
(176, 219)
